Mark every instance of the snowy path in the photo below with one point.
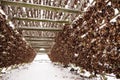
(40, 69)
(43, 69)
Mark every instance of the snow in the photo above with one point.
(11, 24)
(2, 12)
(43, 69)
(40, 69)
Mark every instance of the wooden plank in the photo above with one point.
(40, 20)
(38, 6)
(39, 29)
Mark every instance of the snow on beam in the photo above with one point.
(38, 6)
(41, 20)
(39, 29)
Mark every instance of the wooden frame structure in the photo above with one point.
(52, 8)
(41, 18)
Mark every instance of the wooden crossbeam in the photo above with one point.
(37, 37)
(39, 6)
(41, 50)
(41, 44)
(38, 47)
(40, 53)
(39, 29)
(40, 40)
(40, 20)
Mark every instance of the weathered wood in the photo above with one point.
(38, 6)
(39, 29)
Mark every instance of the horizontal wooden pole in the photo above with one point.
(37, 37)
(46, 47)
(39, 40)
(44, 43)
(39, 29)
(40, 45)
(40, 20)
(39, 6)
(41, 53)
(41, 50)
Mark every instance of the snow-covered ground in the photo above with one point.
(42, 69)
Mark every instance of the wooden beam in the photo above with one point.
(39, 29)
(46, 47)
(40, 45)
(37, 37)
(40, 40)
(41, 50)
(39, 6)
(40, 20)
(40, 53)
